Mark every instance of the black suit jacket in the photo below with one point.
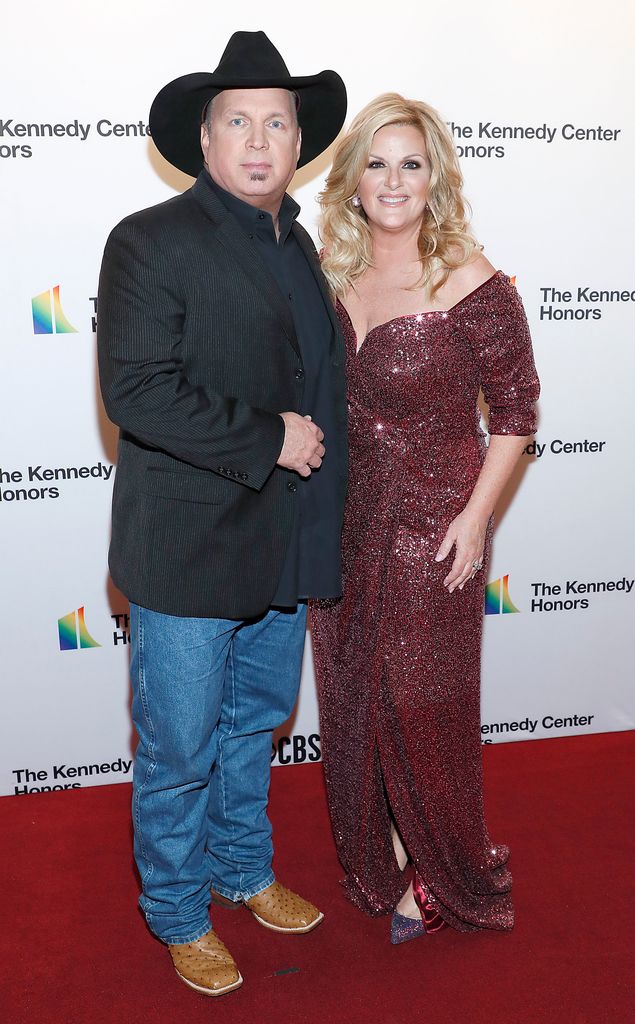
(197, 357)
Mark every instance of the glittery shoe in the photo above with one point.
(404, 928)
(284, 911)
(206, 965)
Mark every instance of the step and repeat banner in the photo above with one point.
(540, 105)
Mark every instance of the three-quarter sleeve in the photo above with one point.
(501, 343)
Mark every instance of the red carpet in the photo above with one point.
(75, 950)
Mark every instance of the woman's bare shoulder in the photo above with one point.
(465, 279)
(474, 273)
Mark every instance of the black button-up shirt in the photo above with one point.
(312, 567)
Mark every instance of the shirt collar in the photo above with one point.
(252, 218)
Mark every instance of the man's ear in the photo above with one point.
(204, 140)
(299, 146)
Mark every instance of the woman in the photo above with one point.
(428, 323)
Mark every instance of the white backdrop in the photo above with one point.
(540, 101)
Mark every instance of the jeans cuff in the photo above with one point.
(236, 895)
(179, 940)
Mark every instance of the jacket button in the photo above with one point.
(299, 373)
(221, 469)
(244, 476)
(292, 486)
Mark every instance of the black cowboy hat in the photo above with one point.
(250, 61)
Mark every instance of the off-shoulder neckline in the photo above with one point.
(425, 312)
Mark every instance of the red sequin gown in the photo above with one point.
(397, 657)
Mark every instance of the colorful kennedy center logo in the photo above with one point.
(73, 634)
(497, 599)
(48, 315)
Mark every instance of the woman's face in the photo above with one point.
(394, 187)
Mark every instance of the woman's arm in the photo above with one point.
(467, 531)
(501, 343)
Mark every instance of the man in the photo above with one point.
(221, 361)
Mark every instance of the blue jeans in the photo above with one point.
(207, 695)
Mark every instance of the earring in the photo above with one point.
(356, 201)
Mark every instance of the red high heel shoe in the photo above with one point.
(432, 920)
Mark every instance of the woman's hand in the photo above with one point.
(467, 531)
(467, 534)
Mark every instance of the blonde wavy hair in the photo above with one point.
(445, 241)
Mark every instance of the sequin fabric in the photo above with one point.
(397, 657)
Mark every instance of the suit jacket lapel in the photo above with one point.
(232, 237)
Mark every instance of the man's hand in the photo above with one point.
(302, 449)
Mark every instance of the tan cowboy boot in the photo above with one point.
(206, 965)
(284, 911)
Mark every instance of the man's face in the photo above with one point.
(252, 145)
